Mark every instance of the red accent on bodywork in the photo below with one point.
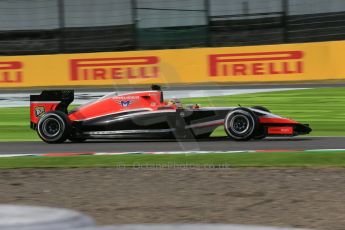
(285, 130)
(276, 120)
(143, 100)
(44, 107)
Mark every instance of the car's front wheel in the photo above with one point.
(53, 127)
(240, 124)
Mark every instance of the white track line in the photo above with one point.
(177, 152)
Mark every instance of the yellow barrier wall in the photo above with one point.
(272, 63)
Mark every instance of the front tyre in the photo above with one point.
(53, 127)
(241, 124)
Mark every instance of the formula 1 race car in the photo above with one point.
(147, 115)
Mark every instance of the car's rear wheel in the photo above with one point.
(241, 124)
(54, 127)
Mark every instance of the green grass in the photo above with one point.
(323, 109)
(286, 159)
(15, 125)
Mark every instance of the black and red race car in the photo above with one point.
(147, 115)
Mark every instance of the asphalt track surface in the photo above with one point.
(212, 144)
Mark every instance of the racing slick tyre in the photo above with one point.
(259, 107)
(53, 127)
(241, 124)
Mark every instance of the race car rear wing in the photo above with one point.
(49, 100)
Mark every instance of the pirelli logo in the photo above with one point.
(11, 72)
(261, 63)
(114, 68)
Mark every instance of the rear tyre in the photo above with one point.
(54, 127)
(241, 124)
